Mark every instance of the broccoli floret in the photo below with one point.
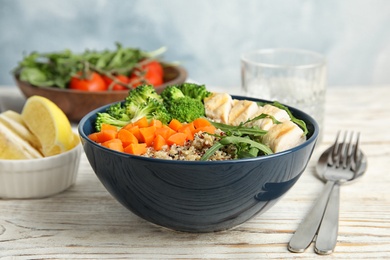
(118, 111)
(114, 115)
(105, 118)
(138, 97)
(186, 105)
(194, 90)
(141, 93)
(142, 101)
(171, 93)
(186, 109)
(151, 109)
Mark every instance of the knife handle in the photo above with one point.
(327, 234)
(306, 231)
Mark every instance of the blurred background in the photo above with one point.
(207, 37)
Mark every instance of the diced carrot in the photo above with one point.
(178, 139)
(200, 122)
(187, 130)
(208, 129)
(142, 122)
(108, 127)
(127, 137)
(159, 142)
(191, 126)
(112, 141)
(135, 131)
(136, 149)
(171, 131)
(147, 134)
(175, 124)
(94, 137)
(165, 131)
(107, 134)
(128, 126)
(114, 144)
(155, 122)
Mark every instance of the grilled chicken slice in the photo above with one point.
(218, 106)
(266, 123)
(241, 111)
(281, 137)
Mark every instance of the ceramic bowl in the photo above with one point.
(196, 196)
(77, 104)
(39, 178)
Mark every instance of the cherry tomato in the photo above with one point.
(154, 78)
(121, 78)
(154, 66)
(150, 73)
(94, 82)
(151, 78)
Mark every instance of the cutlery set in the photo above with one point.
(342, 163)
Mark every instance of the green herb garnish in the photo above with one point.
(295, 120)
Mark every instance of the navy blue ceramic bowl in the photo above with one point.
(197, 196)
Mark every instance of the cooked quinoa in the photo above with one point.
(192, 150)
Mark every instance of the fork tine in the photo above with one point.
(333, 154)
(343, 153)
(349, 152)
(356, 160)
(356, 152)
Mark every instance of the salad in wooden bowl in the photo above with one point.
(79, 83)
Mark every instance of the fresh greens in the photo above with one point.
(239, 130)
(295, 120)
(56, 69)
(246, 140)
(252, 149)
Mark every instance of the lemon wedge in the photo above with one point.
(49, 124)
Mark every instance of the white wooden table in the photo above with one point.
(86, 222)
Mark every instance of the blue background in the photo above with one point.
(207, 37)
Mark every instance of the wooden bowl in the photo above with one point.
(76, 104)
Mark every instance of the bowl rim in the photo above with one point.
(312, 138)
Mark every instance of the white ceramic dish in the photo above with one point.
(39, 178)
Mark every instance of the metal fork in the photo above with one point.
(341, 163)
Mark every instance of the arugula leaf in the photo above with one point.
(261, 116)
(295, 120)
(236, 140)
(245, 139)
(239, 130)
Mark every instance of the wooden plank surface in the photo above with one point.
(85, 222)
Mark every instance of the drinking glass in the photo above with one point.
(293, 77)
